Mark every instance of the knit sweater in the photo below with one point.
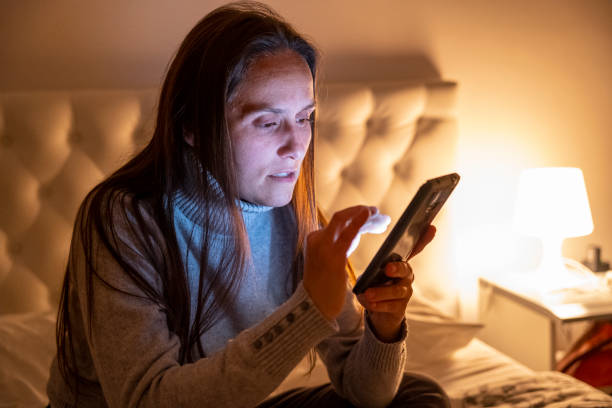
(131, 356)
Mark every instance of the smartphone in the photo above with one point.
(412, 224)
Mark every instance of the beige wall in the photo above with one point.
(534, 76)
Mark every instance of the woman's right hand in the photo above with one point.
(325, 263)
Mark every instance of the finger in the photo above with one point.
(340, 218)
(354, 245)
(376, 224)
(400, 291)
(362, 300)
(392, 306)
(338, 221)
(427, 237)
(400, 270)
(349, 230)
(313, 238)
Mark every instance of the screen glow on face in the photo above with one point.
(269, 120)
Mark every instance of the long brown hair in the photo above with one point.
(209, 64)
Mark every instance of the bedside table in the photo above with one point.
(522, 324)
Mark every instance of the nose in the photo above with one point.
(295, 142)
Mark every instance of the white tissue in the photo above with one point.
(376, 224)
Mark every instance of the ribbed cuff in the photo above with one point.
(283, 338)
(385, 356)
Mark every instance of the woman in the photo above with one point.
(199, 274)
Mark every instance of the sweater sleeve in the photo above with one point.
(363, 369)
(135, 355)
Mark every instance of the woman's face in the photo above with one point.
(269, 126)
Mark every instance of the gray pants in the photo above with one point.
(414, 391)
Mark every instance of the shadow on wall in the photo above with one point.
(138, 73)
(84, 73)
(352, 67)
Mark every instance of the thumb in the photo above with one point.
(354, 245)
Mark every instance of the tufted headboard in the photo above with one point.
(377, 142)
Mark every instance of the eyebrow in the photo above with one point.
(254, 108)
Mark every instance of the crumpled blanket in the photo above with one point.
(544, 389)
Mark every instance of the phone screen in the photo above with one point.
(406, 233)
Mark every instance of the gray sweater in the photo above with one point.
(131, 356)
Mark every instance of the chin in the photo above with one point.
(279, 199)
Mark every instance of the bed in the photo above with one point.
(377, 142)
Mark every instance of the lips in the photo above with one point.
(284, 175)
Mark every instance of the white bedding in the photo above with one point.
(546, 389)
(27, 346)
(477, 375)
(472, 366)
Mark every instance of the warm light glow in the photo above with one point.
(485, 249)
(552, 204)
(552, 201)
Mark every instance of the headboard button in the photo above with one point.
(15, 248)
(7, 141)
(345, 174)
(75, 137)
(45, 191)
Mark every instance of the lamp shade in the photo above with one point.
(553, 202)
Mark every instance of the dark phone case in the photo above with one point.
(414, 221)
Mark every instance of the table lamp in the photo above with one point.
(552, 204)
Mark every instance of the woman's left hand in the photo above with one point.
(386, 304)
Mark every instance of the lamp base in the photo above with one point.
(553, 272)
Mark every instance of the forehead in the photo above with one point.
(284, 74)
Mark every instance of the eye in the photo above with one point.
(304, 120)
(266, 122)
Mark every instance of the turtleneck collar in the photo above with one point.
(248, 207)
(187, 198)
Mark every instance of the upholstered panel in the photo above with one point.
(376, 143)
(53, 148)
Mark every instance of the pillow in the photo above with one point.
(27, 346)
(432, 335)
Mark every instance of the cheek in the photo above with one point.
(305, 140)
(241, 155)
(251, 158)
